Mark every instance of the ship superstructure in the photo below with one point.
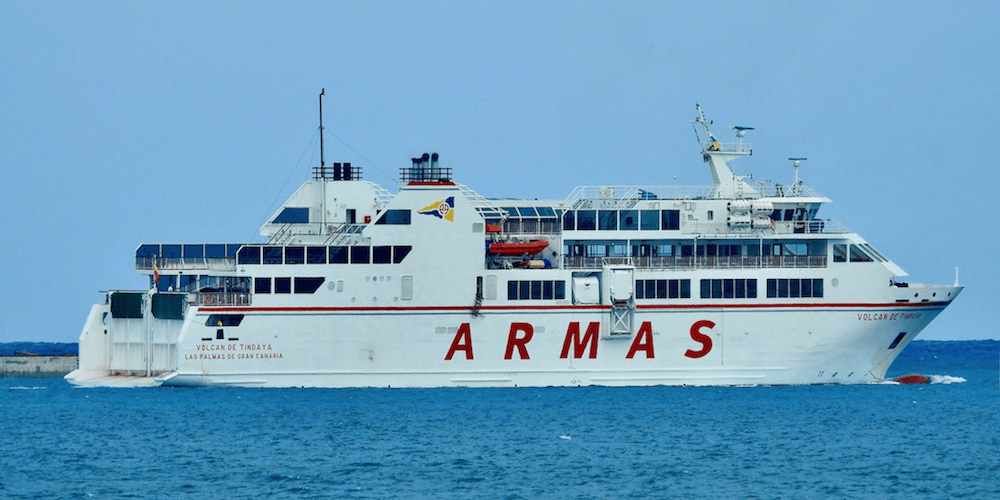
(736, 283)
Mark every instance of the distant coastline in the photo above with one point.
(38, 359)
(39, 349)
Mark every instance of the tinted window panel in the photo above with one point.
(272, 255)
(308, 285)
(249, 255)
(292, 215)
(295, 255)
(382, 254)
(649, 220)
(360, 255)
(316, 255)
(608, 220)
(629, 220)
(215, 251)
(338, 255)
(399, 253)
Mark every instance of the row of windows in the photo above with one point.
(624, 220)
(738, 288)
(663, 289)
(285, 285)
(794, 287)
(324, 255)
(192, 251)
(536, 289)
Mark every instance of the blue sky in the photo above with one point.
(130, 122)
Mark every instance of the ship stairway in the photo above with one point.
(283, 234)
(343, 234)
(478, 304)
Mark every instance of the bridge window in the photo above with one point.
(292, 215)
(394, 217)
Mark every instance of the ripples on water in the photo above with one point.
(875, 441)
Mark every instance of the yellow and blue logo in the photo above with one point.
(442, 209)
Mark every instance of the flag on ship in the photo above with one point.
(442, 209)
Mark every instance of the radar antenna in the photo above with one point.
(797, 185)
(740, 133)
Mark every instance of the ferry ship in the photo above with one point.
(737, 283)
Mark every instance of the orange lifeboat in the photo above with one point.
(518, 247)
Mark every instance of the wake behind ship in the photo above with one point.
(730, 284)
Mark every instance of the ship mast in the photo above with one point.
(322, 167)
(322, 162)
(718, 156)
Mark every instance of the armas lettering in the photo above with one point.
(576, 344)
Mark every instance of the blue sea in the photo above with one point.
(940, 440)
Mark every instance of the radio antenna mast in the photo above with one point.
(322, 162)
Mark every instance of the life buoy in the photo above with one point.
(209, 298)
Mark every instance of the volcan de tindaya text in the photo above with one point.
(737, 283)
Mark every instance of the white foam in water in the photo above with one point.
(23, 388)
(945, 379)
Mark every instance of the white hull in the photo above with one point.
(825, 344)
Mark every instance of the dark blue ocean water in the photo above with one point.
(940, 440)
